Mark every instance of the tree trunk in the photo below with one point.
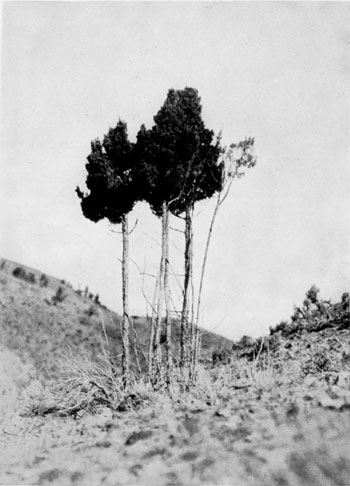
(197, 336)
(184, 354)
(167, 295)
(152, 342)
(155, 349)
(125, 322)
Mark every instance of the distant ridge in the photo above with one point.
(8, 266)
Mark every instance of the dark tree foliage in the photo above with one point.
(178, 156)
(110, 177)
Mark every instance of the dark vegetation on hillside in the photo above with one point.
(314, 316)
(43, 281)
(19, 272)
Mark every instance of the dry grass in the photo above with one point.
(247, 423)
(83, 385)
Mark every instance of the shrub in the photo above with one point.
(31, 278)
(44, 281)
(345, 301)
(221, 356)
(281, 327)
(19, 272)
(311, 294)
(90, 311)
(246, 342)
(59, 296)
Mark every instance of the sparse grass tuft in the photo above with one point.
(84, 385)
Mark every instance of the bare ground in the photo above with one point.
(266, 433)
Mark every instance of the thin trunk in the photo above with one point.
(167, 296)
(191, 342)
(150, 351)
(152, 345)
(125, 322)
(206, 257)
(152, 342)
(185, 304)
(156, 352)
(197, 337)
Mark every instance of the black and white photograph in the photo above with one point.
(175, 243)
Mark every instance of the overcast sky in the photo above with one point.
(279, 72)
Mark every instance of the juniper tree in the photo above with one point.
(179, 160)
(198, 174)
(111, 168)
(180, 163)
(154, 187)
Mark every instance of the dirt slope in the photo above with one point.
(41, 331)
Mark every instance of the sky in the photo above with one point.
(276, 71)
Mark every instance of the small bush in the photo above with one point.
(221, 356)
(44, 281)
(311, 294)
(59, 296)
(31, 278)
(19, 272)
(345, 300)
(246, 342)
(90, 311)
(281, 327)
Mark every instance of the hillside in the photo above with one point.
(42, 323)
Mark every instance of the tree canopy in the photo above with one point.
(178, 156)
(110, 180)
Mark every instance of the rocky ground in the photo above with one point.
(242, 424)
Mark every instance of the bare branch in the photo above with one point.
(133, 228)
(176, 229)
(179, 216)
